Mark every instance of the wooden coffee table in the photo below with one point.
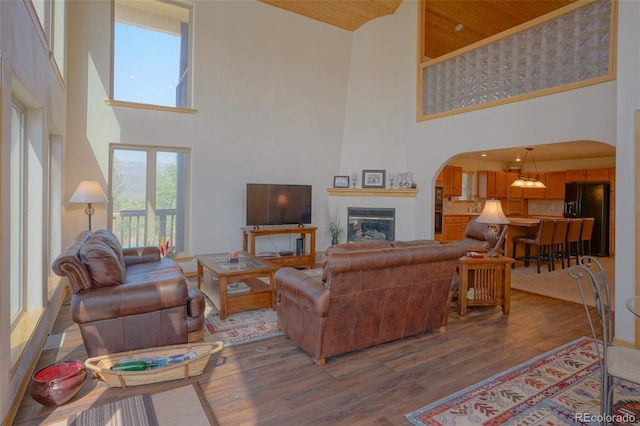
(248, 270)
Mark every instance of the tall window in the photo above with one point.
(151, 53)
(17, 170)
(148, 187)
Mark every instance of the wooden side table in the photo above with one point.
(490, 279)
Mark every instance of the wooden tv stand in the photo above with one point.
(305, 260)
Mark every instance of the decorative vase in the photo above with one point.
(334, 240)
(57, 383)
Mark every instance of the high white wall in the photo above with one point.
(270, 90)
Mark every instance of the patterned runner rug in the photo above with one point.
(181, 405)
(561, 387)
(136, 410)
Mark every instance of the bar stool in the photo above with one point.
(573, 239)
(542, 242)
(585, 235)
(558, 242)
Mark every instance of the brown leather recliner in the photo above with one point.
(369, 293)
(475, 236)
(126, 299)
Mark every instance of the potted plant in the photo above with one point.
(334, 226)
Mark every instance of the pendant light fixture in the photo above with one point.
(527, 181)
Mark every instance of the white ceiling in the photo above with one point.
(551, 152)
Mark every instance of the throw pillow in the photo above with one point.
(103, 264)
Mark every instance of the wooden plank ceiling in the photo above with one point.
(346, 14)
(479, 18)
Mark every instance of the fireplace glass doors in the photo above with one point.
(371, 224)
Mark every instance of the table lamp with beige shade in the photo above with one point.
(493, 215)
(89, 192)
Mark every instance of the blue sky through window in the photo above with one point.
(146, 65)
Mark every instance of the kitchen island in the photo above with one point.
(520, 227)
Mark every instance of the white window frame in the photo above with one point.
(151, 155)
(17, 172)
(186, 107)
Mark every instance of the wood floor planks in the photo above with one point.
(273, 382)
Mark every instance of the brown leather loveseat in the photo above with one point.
(369, 293)
(126, 299)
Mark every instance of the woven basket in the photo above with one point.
(101, 365)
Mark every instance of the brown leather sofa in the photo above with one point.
(126, 299)
(368, 294)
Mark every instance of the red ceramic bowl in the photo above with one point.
(58, 383)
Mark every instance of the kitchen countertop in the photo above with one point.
(524, 221)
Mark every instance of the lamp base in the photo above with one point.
(492, 253)
(493, 231)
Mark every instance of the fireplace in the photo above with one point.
(371, 224)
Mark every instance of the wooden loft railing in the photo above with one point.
(129, 226)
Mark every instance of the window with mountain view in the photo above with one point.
(149, 196)
(151, 53)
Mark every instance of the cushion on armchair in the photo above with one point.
(112, 241)
(476, 230)
(102, 263)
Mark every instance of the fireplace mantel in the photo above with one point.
(372, 192)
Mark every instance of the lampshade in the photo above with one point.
(89, 191)
(492, 213)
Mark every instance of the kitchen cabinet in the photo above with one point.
(450, 228)
(535, 192)
(464, 221)
(454, 226)
(514, 207)
(588, 175)
(485, 183)
(492, 184)
(452, 181)
(513, 191)
(555, 185)
(502, 184)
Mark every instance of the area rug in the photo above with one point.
(558, 284)
(182, 405)
(238, 328)
(136, 410)
(560, 387)
(241, 327)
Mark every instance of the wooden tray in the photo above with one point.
(101, 365)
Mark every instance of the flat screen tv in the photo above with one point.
(278, 204)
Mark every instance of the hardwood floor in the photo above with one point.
(273, 382)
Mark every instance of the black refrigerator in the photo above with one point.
(590, 199)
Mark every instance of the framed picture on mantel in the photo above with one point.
(373, 178)
(341, 181)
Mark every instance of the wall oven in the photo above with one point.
(438, 210)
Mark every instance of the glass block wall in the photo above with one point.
(570, 48)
